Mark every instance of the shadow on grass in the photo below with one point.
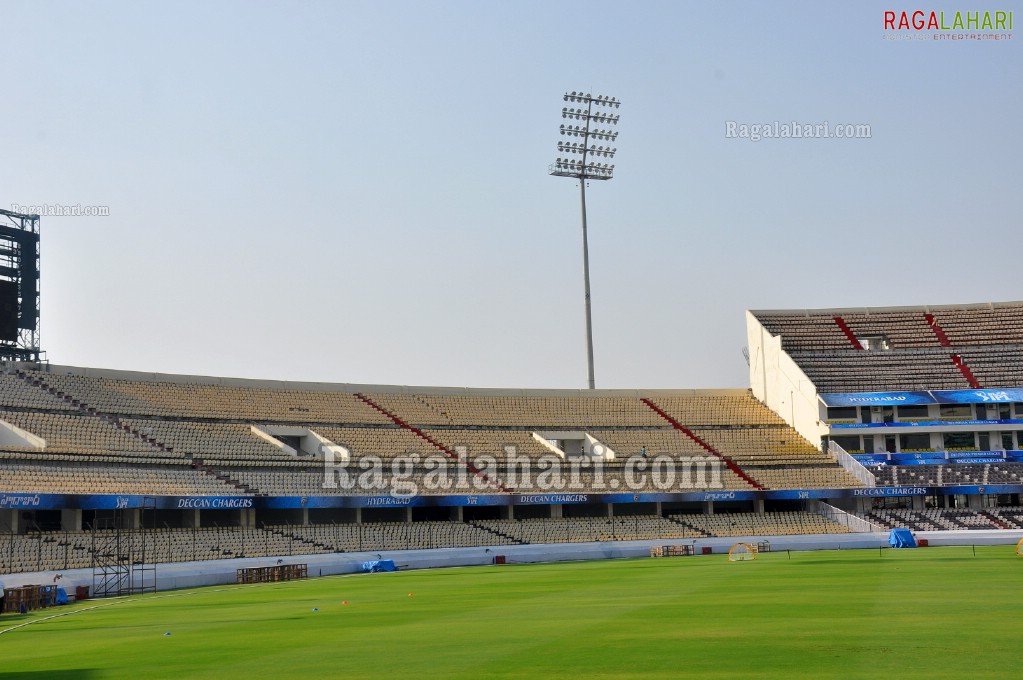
(73, 674)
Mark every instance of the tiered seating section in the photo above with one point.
(770, 453)
(55, 551)
(969, 474)
(926, 346)
(764, 524)
(75, 550)
(195, 435)
(944, 519)
(863, 371)
(76, 478)
(587, 529)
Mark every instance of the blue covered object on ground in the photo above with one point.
(901, 538)
(379, 565)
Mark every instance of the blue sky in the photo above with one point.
(358, 192)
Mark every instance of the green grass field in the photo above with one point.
(910, 613)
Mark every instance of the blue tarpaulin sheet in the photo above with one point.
(901, 538)
(61, 596)
(379, 565)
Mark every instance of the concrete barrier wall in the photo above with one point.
(222, 572)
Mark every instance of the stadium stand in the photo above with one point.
(973, 352)
(72, 478)
(948, 519)
(858, 371)
(917, 346)
(550, 412)
(761, 524)
(950, 475)
(212, 425)
(39, 551)
(584, 529)
(81, 432)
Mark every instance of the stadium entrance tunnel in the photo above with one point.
(301, 442)
(574, 444)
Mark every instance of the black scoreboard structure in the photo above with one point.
(19, 287)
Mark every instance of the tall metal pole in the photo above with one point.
(583, 170)
(586, 284)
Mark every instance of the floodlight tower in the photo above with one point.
(583, 170)
(19, 287)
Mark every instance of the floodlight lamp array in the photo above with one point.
(586, 98)
(592, 149)
(584, 114)
(579, 131)
(587, 133)
(568, 167)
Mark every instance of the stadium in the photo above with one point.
(857, 422)
(131, 501)
(291, 350)
(155, 494)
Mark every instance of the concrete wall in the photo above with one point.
(779, 383)
(14, 436)
(222, 572)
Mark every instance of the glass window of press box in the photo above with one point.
(906, 412)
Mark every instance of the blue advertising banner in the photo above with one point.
(207, 503)
(981, 490)
(382, 501)
(466, 501)
(890, 491)
(553, 498)
(925, 423)
(920, 398)
(900, 457)
(109, 502)
(719, 496)
(982, 396)
(938, 457)
(26, 501)
(876, 398)
(978, 454)
(974, 461)
(799, 494)
(32, 501)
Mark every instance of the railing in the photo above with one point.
(851, 465)
(851, 522)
